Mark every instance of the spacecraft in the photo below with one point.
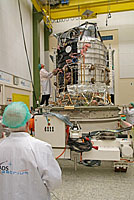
(83, 77)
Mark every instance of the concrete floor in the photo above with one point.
(94, 183)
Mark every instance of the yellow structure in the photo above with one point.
(45, 11)
(21, 97)
(76, 8)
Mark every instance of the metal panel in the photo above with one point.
(52, 132)
(103, 153)
(109, 150)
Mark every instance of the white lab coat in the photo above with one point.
(129, 115)
(28, 170)
(45, 81)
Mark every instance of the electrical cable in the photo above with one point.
(54, 195)
(119, 131)
(24, 41)
(67, 132)
(129, 161)
(91, 163)
(84, 146)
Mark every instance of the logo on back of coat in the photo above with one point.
(7, 168)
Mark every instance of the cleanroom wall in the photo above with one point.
(14, 71)
(124, 64)
(124, 71)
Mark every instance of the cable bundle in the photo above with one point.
(80, 144)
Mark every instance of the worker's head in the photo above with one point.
(131, 105)
(16, 115)
(40, 66)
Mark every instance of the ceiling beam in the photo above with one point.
(93, 2)
(77, 7)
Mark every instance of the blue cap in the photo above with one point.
(16, 115)
(39, 66)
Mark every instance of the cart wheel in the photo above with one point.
(123, 170)
(117, 169)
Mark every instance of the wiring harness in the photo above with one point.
(80, 145)
(91, 163)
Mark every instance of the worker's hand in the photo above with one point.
(55, 71)
(60, 70)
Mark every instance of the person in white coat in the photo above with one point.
(28, 170)
(129, 112)
(45, 81)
